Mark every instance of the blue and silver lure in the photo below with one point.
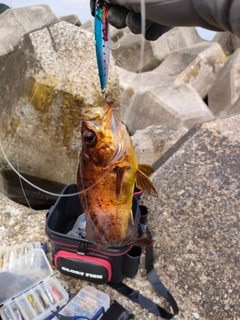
(102, 41)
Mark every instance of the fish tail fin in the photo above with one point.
(131, 238)
(138, 242)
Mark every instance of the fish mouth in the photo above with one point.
(98, 118)
(96, 113)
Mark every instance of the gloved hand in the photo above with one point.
(161, 15)
(120, 17)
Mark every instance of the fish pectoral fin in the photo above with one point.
(131, 218)
(119, 179)
(145, 168)
(145, 184)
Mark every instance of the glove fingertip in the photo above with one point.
(155, 31)
(133, 21)
(93, 7)
(117, 16)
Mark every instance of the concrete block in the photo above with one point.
(154, 99)
(226, 90)
(72, 18)
(14, 23)
(225, 41)
(152, 142)
(197, 65)
(88, 25)
(235, 42)
(128, 53)
(49, 77)
(179, 37)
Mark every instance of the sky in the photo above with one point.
(78, 7)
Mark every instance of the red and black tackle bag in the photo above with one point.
(79, 258)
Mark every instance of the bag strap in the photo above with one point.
(154, 279)
(143, 301)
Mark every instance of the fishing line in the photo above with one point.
(46, 191)
(118, 60)
(17, 171)
(20, 180)
(143, 26)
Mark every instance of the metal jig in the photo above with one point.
(102, 40)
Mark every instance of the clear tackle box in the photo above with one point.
(8, 254)
(89, 302)
(28, 289)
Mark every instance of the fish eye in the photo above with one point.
(90, 137)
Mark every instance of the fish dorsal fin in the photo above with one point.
(145, 184)
(146, 168)
(119, 179)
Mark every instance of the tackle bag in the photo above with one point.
(77, 257)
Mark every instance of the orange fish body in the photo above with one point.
(107, 172)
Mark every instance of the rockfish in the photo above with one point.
(107, 172)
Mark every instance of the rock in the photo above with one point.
(152, 142)
(88, 25)
(125, 78)
(225, 90)
(20, 224)
(128, 54)
(72, 18)
(117, 34)
(49, 77)
(235, 42)
(14, 23)
(224, 39)
(154, 99)
(3, 56)
(195, 220)
(197, 65)
(179, 37)
(235, 108)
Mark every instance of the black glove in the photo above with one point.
(161, 15)
(3, 7)
(120, 17)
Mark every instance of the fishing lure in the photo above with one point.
(102, 41)
(48, 292)
(56, 293)
(18, 313)
(43, 302)
(7, 313)
(33, 303)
